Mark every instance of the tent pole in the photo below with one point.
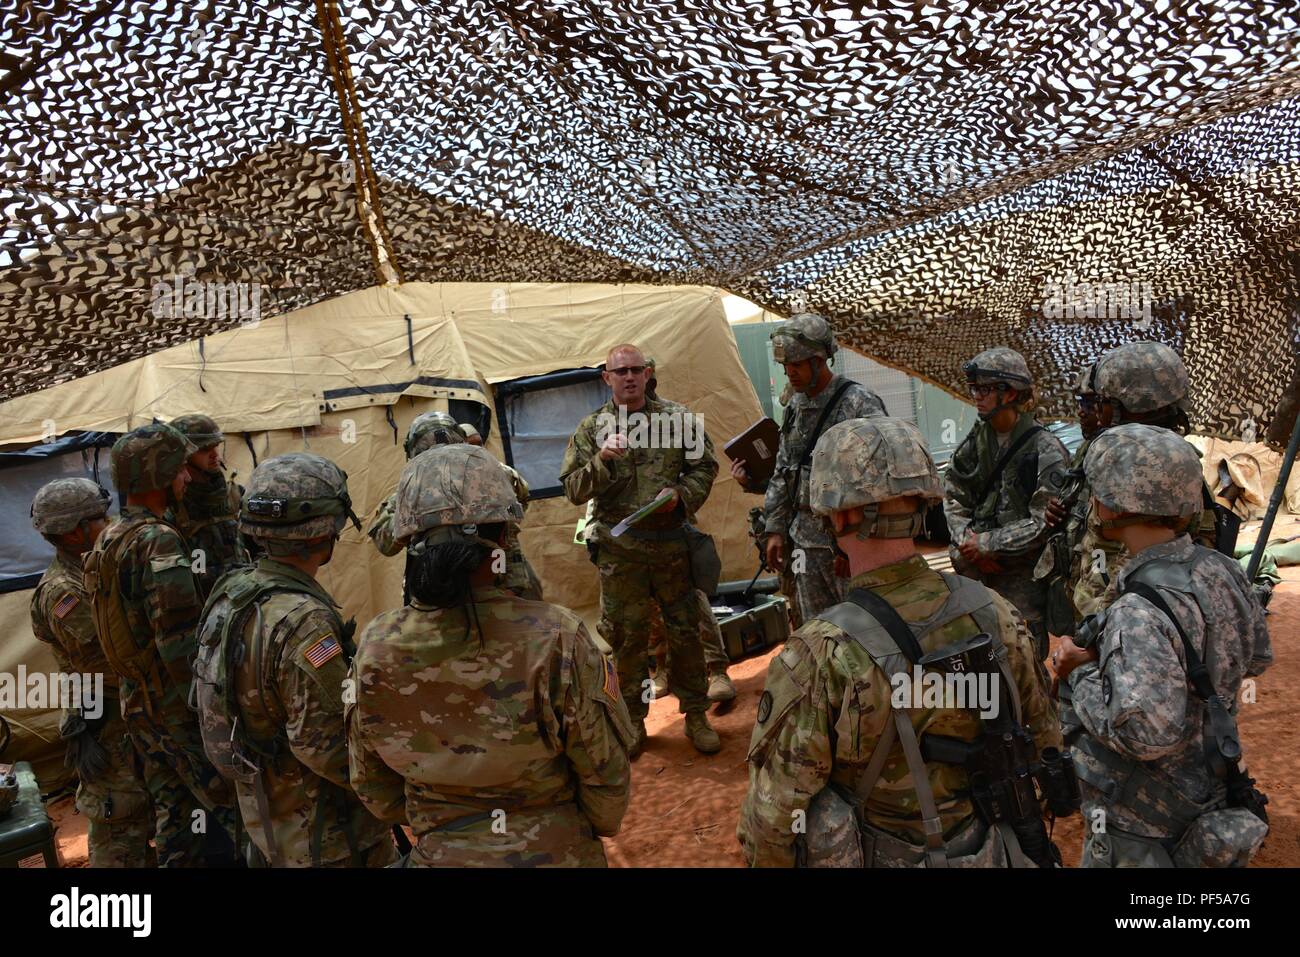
(1274, 502)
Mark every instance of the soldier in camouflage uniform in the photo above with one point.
(715, 656)
(1156, 788)
(999, 483)
(146, 605)
(649, 564)
(804, 346)
(70, 513)
(826, 707)
(490, 723)
(427, 430)
(287, 693)
(208, 516)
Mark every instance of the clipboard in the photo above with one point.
(755, 448)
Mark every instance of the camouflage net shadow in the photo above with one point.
(937, 178)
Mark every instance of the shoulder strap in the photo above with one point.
(1000, 465)
(889, 619)
(821, 419)
(1197, 673)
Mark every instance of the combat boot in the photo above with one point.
(638, 745)
(704, 738)
(720, 687)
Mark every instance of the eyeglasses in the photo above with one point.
(627, 370)
(980, 391)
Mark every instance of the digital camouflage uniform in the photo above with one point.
(115, 802)
(1009, 521)
(289, 686)
(826, 704)
(1133, 709)
(160, 602)
(496, 730)
(785, 504)
(208, 516)
(648, 564)
(1143, 377)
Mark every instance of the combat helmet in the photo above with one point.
(1142, 377)
(149, 458)
(805, 334)
(296, 497)
(1144, 470)
(999, 364)
(863, 462)
(202, 430)
(60, 506)
(453, 489)
(1086, 384)
(430, 429)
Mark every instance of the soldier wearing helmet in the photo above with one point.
(797, 541)
(999, 483)
(830, 720)
(146, 602)
(427, 430)
(490, 723)
(273, 655)
(70, 513)
(1144, 382)
(1135, 705)
(208, 515)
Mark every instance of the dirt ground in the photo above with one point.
(685, 805)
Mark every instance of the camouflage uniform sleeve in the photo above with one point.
(789, 757)
(696, 479)
(957, 514)
(1037, 709)
(173, 602)
(597, 733)
(312, 695)
(44, 599)
(583, 474)
(1026, 536)
(1133, 699)
(1261, 644)
(381, 789)
(777, 512)
(380, 528)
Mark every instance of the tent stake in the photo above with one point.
(1274, 502)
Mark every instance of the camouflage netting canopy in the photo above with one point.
(938, 177)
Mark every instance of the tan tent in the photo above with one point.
(327, 379)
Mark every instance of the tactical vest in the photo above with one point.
(966, 598)
(126, 655)
(1138, 785)
(237, 754)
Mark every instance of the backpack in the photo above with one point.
(103, 582)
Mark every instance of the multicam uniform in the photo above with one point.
(649, 563)
(288, 682)
(116, 803)
(1140, 735)
(495, 728)
(826, 705)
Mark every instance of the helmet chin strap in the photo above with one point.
(874, 525)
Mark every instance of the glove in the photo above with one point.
(84, 753)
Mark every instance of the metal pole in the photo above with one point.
(1274, 502)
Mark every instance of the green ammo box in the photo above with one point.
(750, 623)
(26, 834)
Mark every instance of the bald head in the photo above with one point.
(626, 375)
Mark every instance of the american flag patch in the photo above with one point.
(65, 605)
(325, 649)
(611, 681)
